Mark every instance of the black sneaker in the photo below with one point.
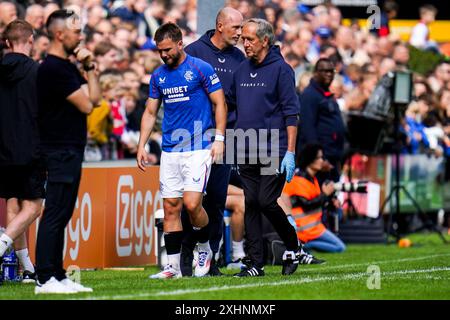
(187, 256)
(248, 263)
(253, 271)
(290, 262)
(307, 258)
(28, 277)
(214, 270)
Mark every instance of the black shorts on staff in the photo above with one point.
(25, 182)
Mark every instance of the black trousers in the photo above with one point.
(63, 179)
(214, 205)
(261, 194)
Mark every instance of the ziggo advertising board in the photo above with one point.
(113, 222)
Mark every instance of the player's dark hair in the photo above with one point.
(168, 31)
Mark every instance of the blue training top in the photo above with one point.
(187, 107)
(224, 62)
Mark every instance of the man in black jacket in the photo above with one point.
(22, 174)
(321, 121)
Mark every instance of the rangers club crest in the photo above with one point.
(189, 76)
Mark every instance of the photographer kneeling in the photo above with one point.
(307, 200)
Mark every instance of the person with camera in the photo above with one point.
(307, 200)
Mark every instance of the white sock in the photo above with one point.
(203, 247)
(174, 260)
(5, 243)
(238, 250)
(25, 260)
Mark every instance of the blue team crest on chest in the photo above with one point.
(189, 75)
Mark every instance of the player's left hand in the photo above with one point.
(217, 150)
(142, 158)
(288, 164)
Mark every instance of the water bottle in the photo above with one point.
(10, 267)
(227, 235)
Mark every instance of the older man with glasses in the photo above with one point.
(263, 93)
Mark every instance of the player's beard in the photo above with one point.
(173, 61)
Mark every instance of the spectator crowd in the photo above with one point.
(120, 34)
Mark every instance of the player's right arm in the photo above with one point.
(147, 124)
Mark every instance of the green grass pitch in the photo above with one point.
(419, 272)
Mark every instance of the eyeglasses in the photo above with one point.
(326, 70)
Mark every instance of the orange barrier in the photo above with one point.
(112, 225)
(403, 28)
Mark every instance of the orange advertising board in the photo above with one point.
(133, 198)
(113, 223)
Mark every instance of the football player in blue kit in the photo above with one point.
(190, 91)
(218, 48)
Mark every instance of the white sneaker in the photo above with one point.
(53, 286)
(167, 273)
(75, 286)
(203, 263)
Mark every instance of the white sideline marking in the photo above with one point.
(341, 266)
(350, 276)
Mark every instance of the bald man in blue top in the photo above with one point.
(190, 90)
(218, 48)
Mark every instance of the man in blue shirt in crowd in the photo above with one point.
(189, 88)
(321, 120)
(263, 92)
(216, 47)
